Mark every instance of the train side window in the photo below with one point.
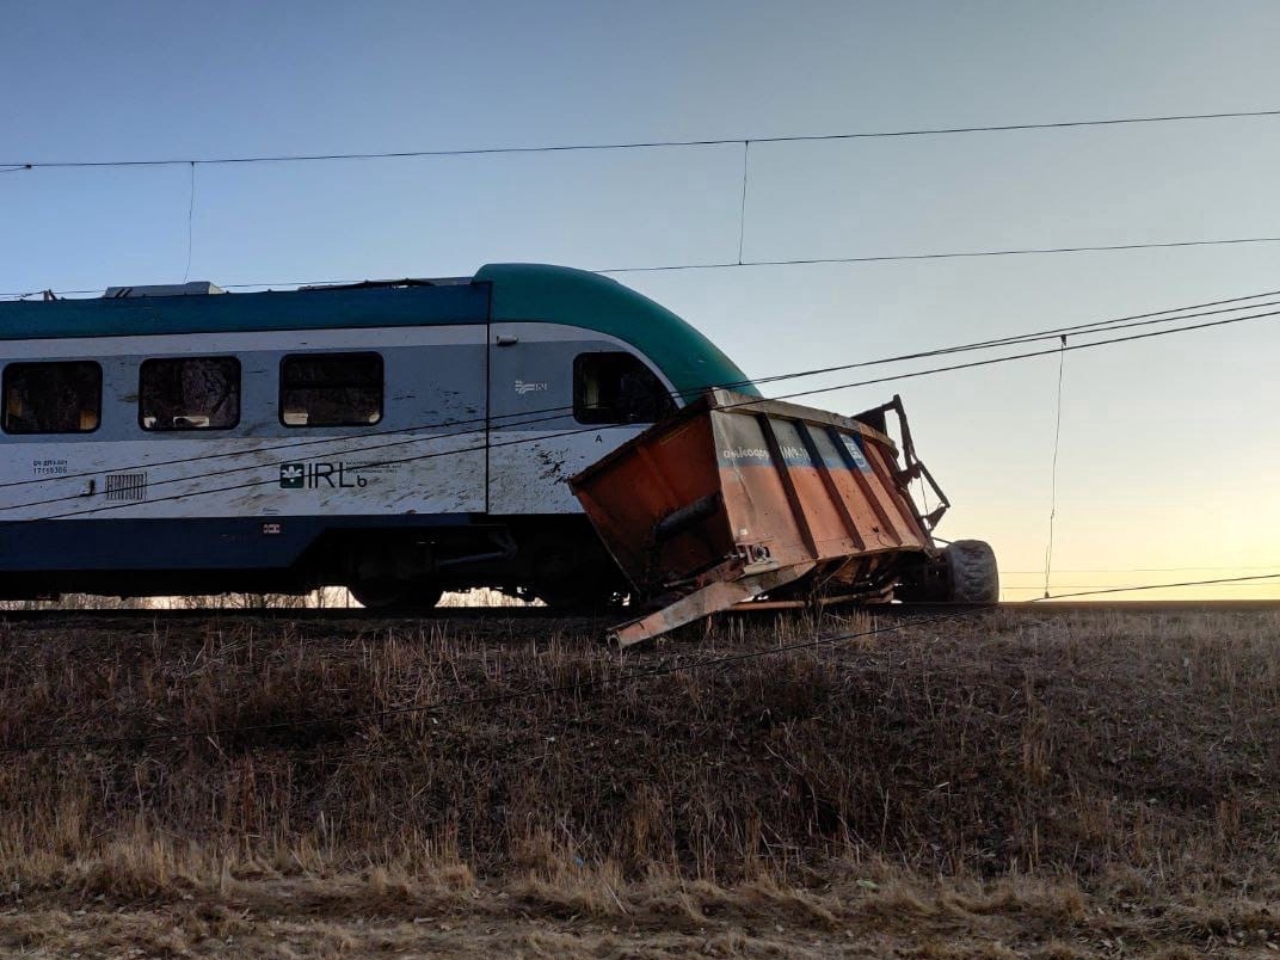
(617, 388)
(189, 393)
(54, 397)
(331, 389)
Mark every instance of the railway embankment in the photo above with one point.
(979, 746)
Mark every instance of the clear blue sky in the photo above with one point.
(1168, 448)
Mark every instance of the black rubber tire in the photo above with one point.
(972, 572)
(396, 595)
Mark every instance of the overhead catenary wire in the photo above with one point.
(764, 263)
(1039, 572)
(1189, 312)
(646, 144)
(742, 210)
(1053, 475)
(206, 491)
(1035, 353)
(404, 441)
(801, 261)
(547, 414)
(1004, 587)
(568, 433)
(948, 255)
(745, 142)
(1159, 586)
(191, 211)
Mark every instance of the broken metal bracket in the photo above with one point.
(912, 467)
(713, 598)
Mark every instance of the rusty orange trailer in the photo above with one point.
(736, 498)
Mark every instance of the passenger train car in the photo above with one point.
(400, 438)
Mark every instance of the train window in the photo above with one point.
(57, 397)
(331, 389)
(617, 388)
(189, 393)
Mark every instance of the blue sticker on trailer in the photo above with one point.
(852, 444)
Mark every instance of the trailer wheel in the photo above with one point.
(396, 595)
(972, 573)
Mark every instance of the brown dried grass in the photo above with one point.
(1035, 765)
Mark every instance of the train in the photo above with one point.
(399, 438)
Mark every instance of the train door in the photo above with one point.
(531, 426)
(559, 400)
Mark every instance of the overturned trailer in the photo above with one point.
(739, 500)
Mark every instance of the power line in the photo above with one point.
(205, 491)
(742, 211)
(191, 210)
(947, 255)
(796, 262)
(1037, 573)
(1189, 312)
(745, 142)
(1053, 485)
(643, 144)
(595, 428)
(1158, 586)
(547, 414)
(1096, 326)
(1084, 586)
(1035, 353)
(555, 414)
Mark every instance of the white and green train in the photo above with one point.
(399, 438)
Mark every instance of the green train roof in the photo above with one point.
(498, 292)
(532, 291)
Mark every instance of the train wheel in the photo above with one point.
(972, 573)
(396, 595)
(569, 578)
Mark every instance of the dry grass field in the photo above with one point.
(1097, 785)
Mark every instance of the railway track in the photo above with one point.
(1038, 610)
